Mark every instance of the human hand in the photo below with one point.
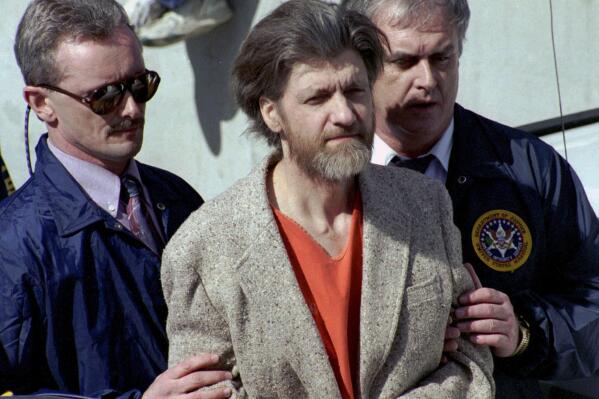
(450, 343)
(452, 333)
(488, 316)
(185, 378)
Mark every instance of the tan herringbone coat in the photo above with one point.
(230, 290)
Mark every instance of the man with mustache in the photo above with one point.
(320, 275)
(527, 227)
(81, 306)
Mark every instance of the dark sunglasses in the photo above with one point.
(107, 98)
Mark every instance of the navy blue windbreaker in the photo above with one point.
(543, 252)
(81, 304)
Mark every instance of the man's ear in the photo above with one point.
(38, 100)
(270, 115)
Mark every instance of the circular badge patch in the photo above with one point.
(501, 240)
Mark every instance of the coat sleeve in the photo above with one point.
(20, 320)
(22, 327)
(469, 371)
(563, 311)
(194, 326)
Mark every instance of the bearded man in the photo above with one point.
(320, 275)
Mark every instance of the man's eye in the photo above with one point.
(443, 58)
(112, 89)
(404, 63)
(106, 91)
(355, 90)
(315, 100)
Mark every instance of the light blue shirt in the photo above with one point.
(102, 186)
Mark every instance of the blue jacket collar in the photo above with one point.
(72, 209)
(476, 150)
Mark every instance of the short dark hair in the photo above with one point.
(295, 31)
(417, 12)
(47, 23)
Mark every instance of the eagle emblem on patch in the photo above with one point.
(501, 240)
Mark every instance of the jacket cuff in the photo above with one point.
(537, 360)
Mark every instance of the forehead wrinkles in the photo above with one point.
(327, 73)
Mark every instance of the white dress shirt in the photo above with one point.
(382, 154)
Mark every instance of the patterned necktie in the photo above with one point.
(417, 164)
(140, 223)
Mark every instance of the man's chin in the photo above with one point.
(343, 163)
(414, 119)
(123, 151)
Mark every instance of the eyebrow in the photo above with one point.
(317, 90)
(398, 55)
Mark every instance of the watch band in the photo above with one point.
(524, 337)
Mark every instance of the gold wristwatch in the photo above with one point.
(524, 336)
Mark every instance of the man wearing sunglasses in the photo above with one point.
(81, 306)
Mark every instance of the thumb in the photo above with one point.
(473, 276)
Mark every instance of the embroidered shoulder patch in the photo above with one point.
(501, 240)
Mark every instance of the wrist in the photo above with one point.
(524, 334)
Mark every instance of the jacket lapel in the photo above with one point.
(75, 210)
(387, 234)
(269, 281)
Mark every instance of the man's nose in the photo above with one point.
(342, 113)
(425, 79)
(130, 107)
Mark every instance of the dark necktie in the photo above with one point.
(140, 222)
(417, 164)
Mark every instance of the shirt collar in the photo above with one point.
(382, 153)
(101, 185)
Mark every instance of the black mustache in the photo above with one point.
(128, 123)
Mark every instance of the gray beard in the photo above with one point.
(341, 165)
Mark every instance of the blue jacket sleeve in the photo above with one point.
(564, 311)
(20, 324)
(24, 366)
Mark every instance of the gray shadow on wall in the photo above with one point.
(212, 57)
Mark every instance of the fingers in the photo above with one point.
(489, 319)
(486, 326)
(450, 345)
(501, 335)
(191, 364)
(452, 332)
(199, 379)
(483, 295)
(488, 316)
(475, 279)
(186, 377)
(501, 345)
(216, 393)
(493, 340)
(485, 311)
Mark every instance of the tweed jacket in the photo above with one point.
(231, 290)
